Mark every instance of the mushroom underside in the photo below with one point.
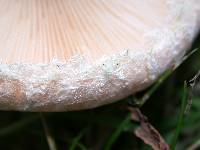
(71, 55)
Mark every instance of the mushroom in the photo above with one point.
(77, 54)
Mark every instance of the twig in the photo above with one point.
(191, 83)
(194, 146)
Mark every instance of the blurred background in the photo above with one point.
(107, 127)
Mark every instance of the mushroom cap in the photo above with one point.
(78, 54)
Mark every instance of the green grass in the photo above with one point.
(110, 127)
(180, 117)
(117, 132)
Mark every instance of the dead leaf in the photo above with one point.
(146, 132)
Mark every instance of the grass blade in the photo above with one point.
(180, 118)
(76, 140)
(17, 125)
(117, 132)
(49, 137)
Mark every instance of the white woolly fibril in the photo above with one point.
(77, 84)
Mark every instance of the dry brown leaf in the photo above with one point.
(146, 132)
